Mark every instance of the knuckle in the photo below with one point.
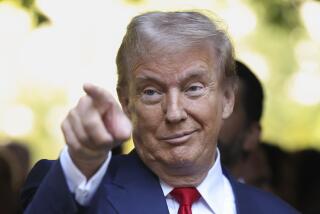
(63, 125)
(84, 101)
(77, 148)
(70, 141)
(100, 138)
(73, 113)
(83, 139)
(89, 124)
(103, 142)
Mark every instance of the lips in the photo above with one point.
(177, 138)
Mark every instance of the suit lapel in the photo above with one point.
(242, 202)
(130, 187)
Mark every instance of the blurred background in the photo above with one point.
(49, 48)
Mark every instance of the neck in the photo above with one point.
(181, 176)
(183, 180)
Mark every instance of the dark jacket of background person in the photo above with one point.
(8, 195)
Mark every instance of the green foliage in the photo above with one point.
(135, 1)
(285, 122)
(29, 5)
(281, 13)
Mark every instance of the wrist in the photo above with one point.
(88, 162)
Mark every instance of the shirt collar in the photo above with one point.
(212, 188)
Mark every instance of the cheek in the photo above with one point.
(206, 111)
(146, 118)
(146, 121)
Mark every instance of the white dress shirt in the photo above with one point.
(215, 190)
(216, 193)
(77, 182)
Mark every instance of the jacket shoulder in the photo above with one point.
(46, 190)
(35, 177)
(258, 201)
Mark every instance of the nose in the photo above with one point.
(174, 108)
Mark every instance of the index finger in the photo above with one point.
(100, 97)
(115, 120)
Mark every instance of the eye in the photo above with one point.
(149, 92)
(151, 95)
(195, 89)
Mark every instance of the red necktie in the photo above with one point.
(185, 196)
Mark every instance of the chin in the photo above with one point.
(182, 161)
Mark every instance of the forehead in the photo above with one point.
(192, 61)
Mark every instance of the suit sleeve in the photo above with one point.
(46, 190)
(78, 184)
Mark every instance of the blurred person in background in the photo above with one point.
(242, 152)
(284, 172)
(21, 154)
(256, 169)
(8, 174)
(294, 176)
(308, 181)
(241, 132)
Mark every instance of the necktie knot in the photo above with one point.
(185, 195)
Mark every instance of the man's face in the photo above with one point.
(177, 105)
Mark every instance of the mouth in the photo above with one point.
(178, 138)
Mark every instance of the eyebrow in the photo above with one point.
(150, 76)
(192, 74)
(196, 74)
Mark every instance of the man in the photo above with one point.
(175, 86)
(240, 133)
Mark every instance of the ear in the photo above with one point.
(123, 96)
(252, 137)
(228, 102)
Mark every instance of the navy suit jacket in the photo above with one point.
(128, 187)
